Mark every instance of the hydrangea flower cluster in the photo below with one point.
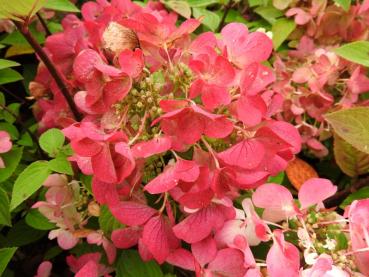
(313, 79)
(177, 129)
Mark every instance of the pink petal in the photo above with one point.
(182, 258)
(126, 237)
(5, 142)
(228, 262)
(84, 64)
(204, 251)
(314, 191)
(151, 147)
(158, 237)
(131, 62)
(90, 269)
(44, 269)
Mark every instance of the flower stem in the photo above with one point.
(43, 23)
(23, 28)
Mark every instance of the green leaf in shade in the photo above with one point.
(18, 9)
(7, 63)
(61, 165)
(51, 141)
(352, 125)
(11, 113)
(129, 264)
(210, 19)
(11, 129)
(5, 256)
(281, 29)
(22, 234)
(179, 6)
(269, 13)
(38, 221)
(254, 3)
(9, 75)
(357, 52)
(61, 5)
(5, 218)
(362, 193)
(345, 4)
(11, 160)
(201, 3)
(350, 160)
(28, 182)
(107, 221)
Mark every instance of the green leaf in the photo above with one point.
(25, 140)
(5, 218)
(281, 4)
(201, 3)
(16, 38)
(28, 182)
(179, 6)
(277, 179)
(350, 160)
(38, 221)
(107, 221)
(362, 193)
(22, 234)
(9, 75)
(269, 13)
(352, 125)
(61, 5)
(345, 4)
(19, 9)
(254, 3)
(51, 141)
(357, 52)
(11, 160)
(11, 129)
(11, 113)
(281, 29)
(129, 264)
(210, 19)
(61, 165)
(7, 63)
(5, 256)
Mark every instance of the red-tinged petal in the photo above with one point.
(101, 189)
(204, 251)
(186, 27)
(110, 250)
(187, 171)
(247, 179)
(131, 213)
(124, 164)
(203, 42)
(84, 64)
(247, 154)
(44, 269)
(196, 88)
(103, 166)
(144, 252)
(213, 96)
(158, 237)
(115, 91)
(265, 76)
(163, 182)
(90, 269)
(182, 258)
(108, 70)
(285, 132)
(86, 147)
(126, 237)
(203, 221)
(248, 78)
(197, 200)
(76, 264)
(229, 262)
(154, 146)
(223, 72)
(172, 105)
(314, 191)
(282, 253)
(219, 128)
(251, 109)
(131, 62)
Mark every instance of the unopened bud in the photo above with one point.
(117, 38)
(94, 209)
(37, 90)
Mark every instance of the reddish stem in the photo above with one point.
(23, 28)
